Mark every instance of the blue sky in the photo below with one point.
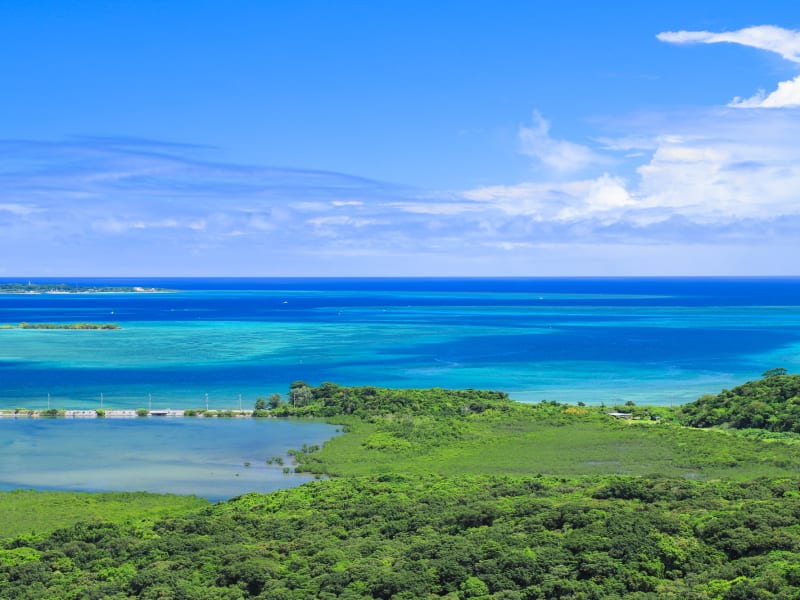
(399, 138)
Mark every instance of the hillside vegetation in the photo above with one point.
(457, 495)
(771, 403)
(437, 537)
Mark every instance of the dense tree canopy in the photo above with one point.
(330, 399)
(772, 403)
(438, 537)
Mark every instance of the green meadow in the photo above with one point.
(32, 512)
(549, 440)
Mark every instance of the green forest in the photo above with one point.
(456, 494)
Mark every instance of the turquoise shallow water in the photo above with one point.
(227, 342)
(658, 341)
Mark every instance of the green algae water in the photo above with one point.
(221, 343)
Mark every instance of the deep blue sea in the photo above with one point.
(225, 342)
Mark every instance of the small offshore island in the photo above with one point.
(81, 326)
(67, 288)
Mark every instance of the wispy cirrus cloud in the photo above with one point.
(19, 209)
(170, 204)
(784, 42)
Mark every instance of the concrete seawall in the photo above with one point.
(117, 414)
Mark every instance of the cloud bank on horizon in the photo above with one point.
(709, 190)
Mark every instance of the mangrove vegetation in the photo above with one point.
(461, 494)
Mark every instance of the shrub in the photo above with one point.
(52, 412)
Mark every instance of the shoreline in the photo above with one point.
(121, 413)
(69, 288)
(86, 292)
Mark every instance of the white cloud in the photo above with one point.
(718, 175)
(19, 209)
(559, 155)
(115, 225)
(260, 223)
(713, 177)
(510, 246)
(785, 42)
(342, 221)
(437, 207)
(787, 95)
(557, 201)
(730, 169)
(628, 143)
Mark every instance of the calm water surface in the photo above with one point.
(201, 456)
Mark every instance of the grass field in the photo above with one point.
(525, 443)
(32, 512)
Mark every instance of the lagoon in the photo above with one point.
(189, 455)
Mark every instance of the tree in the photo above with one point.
(474, 588)
(275, 400)
(774, 373)
(261, 404)
(300, 395)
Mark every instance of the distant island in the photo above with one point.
(61, 326)
(66, 288)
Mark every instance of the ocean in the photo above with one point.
(222, 343)
(647, 340)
